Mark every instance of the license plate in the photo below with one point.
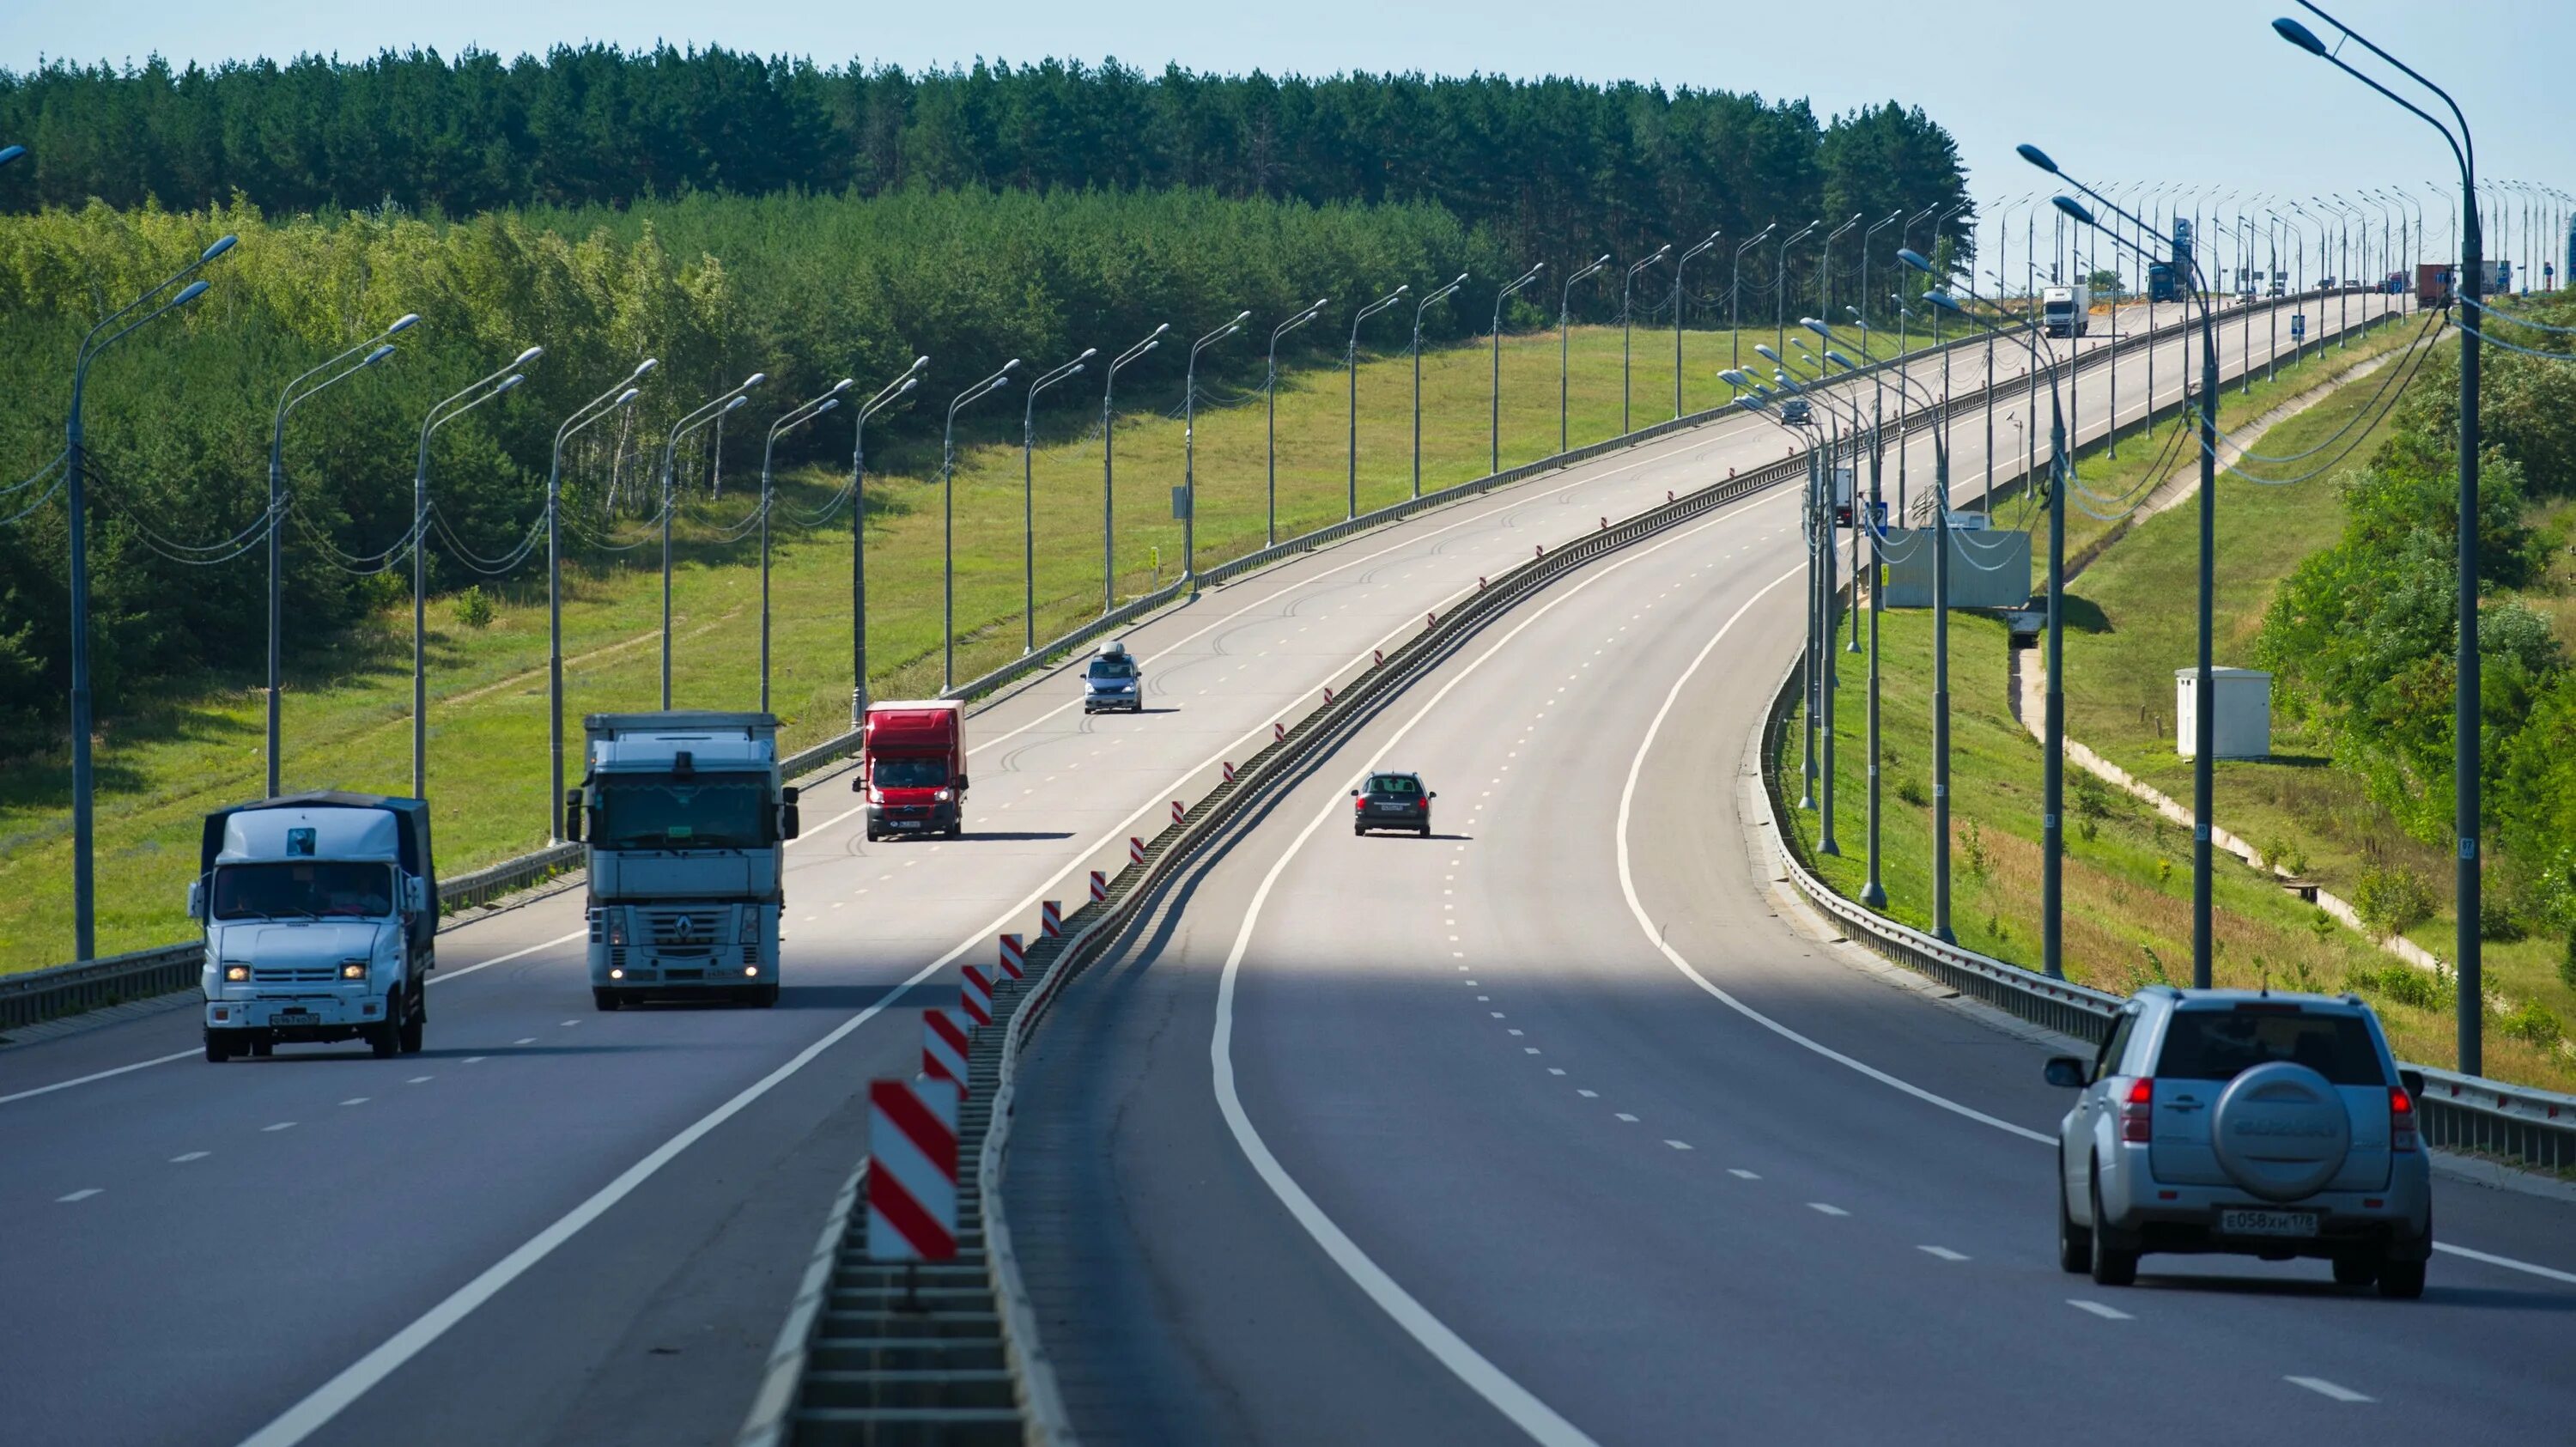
(292, 1017)
(2267, 1223)
(903, 824)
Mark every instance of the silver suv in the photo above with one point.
(2271, 1125)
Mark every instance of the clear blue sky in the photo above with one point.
(2210, 95)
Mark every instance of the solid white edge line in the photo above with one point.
(1517, 1403)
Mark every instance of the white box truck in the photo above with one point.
(321, 920)
(686, 821)
(2066, 311)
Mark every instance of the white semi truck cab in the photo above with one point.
(321, 920)
(686, 819)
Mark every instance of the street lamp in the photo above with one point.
(722, 404)
(1735, 296)
(1494, 434)
(1825, 267)
(448, 410)
(1627, 324)
(1419, 308)
(888, 395)
(1109, 464)
(794, 417)
(1029, 499)
(1270, 401)
(1565, 344)
(948, 521)
(1351, 364)
(1780, 285)
(377, 349)
(2467, 718)
(1189, 450)
(76, 499)
(1679, 263)
(606, 403)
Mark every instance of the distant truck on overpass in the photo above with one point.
(687, 822)
(2066, 311)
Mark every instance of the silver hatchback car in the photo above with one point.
(2271, 1125)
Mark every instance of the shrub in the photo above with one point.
(2392, 900)
(2533, 1024)
(2400, 984)
(2567, 962)
(474, 608)
(1911, 791)
(2322, 925)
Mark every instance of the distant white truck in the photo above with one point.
(2066, 311)
(687, 823)
(321, 920)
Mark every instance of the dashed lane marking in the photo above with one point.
(2107, 1313)
(1678, 1145)
(182, 1160)
(1943, 1252)
(1741, 1174)
(2324, 1388)
(1826, 1208)
(80, 1195)
(1623, 1115)
(281, 1125)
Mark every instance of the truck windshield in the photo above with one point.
(664, 811)
(1113, 668)
(304, 889)
(910, 773)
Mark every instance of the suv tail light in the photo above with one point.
(1360, 802)
(2138, 1112)
(2401, 1120)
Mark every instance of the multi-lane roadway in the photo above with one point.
(562, 1225)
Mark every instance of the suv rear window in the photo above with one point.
(2220, 1044)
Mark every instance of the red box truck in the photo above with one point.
(912, 768)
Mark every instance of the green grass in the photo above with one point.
(347, 715)
(2128, 885)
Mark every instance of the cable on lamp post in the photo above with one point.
(718, 406)
(377, 348)
(605, 404)
(1189, 451)
(447, 410)
(887, 396)
(1494, 432)
(2466, 720)
(796, 416)
(1627, 325)
(1351, 365)
(948, 520)
(1109, 464)
(1565, 346)
(1029, 498)
(1270, 404)
(1424, 305)
(1679, 264)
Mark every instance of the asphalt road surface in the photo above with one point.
(562, 1226)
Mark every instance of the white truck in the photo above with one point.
(2066, 311)
(686, 819)
(321, 920)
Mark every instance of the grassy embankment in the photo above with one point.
(347, 713)
(2127, 917)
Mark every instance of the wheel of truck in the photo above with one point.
(414, 1021)
(219, 1046)
(957, 826)
(764, 996)
(604, 997)
(385, 1036)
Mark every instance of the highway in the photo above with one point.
(1564, 1123)
(558, 1225)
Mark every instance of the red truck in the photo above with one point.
(912, 768)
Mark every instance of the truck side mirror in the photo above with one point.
(859, 782)
(790, 820)
(961, 783)
(415, 894)
(572, 815)
(197, 899)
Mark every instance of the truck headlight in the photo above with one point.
(946, 795)
(353, 970)
(236, 974)
(616, 926)
(750, 932)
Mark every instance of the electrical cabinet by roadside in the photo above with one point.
(2241, 716)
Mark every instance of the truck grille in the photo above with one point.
(298, 975)
(683, 926)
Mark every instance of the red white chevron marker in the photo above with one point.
(1012, 955)
(943, 1047)
(1099, 887)
(912, 1170)
(1050, 920)
(977, 997)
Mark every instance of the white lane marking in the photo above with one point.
(1555, 1070)
(1741, 1174)
(1637, 908)
(531, 1039)
(1588, 1094)
(1678, 1145)
(2324, 1388)
(1826, 1208)
(576, 1022)
(1623, 1115)
(281, 1125)
(1511, 1032)
(418, 1080)
(190, 1156)
(80, 1195)
(356, 1100)
(470, 1060)
(1943, 1252)
(1529, 1050)
(2107, 1313)
(2507, 1262)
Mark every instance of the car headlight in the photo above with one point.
(353, 970)
(945, 795)
(236, 974)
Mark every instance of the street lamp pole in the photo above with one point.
(1494, 432)
(1565, 346)
(603, 405)
(448, 410)
(1351, 365)
(891, 393)
(948, 520)
(1189, 451)
(377, 349)
(715, 408)
(1627, 326)
(795, 417)
(1270, 401)
(1029, 498)
(1419, 308)
(1678, 265)
(1109, 464)
(1780, 285)
(1735, 296)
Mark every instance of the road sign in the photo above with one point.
(912, 1170)
(943, 1047)
(2298, 325)
(1180, 503)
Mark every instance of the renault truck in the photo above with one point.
(685, 819)
(320, 913)
(2066, 311)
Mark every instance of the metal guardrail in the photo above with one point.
(2463, 1112)
(69, 989)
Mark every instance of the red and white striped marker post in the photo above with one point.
(1431, 620)
(1050, 920)
(1480, 582)
(1605, 525)
(943, 1048)
(1099, 887)
(1012, 955)
(1229, 771)
(1379, 654)
(977, 997)
(1539, 551)
(1278, 732)
(1135, 850)
(912, 1170)
(1177, 811)
(1668, 494)
(1328, 695)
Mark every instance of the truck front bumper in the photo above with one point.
(298, 1017)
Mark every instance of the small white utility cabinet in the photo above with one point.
(2241, 712)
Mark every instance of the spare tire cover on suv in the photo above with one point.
(2280, 1131)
